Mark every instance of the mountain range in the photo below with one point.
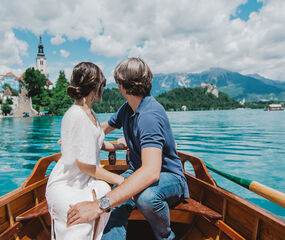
(238, 86)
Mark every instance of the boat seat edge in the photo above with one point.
(187, 205)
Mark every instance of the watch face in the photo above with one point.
(105, 204)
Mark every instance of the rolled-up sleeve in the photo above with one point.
(151, 132)
(116, 119)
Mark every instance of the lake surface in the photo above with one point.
(244, 143)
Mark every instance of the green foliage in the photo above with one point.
(60, 101)
(1, 101)
(14, 91)
(55, 100)
(6, 108)
(34, 82)
(9, 101)
(112, 100)
(195, 99)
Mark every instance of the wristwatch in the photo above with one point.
(105, 204)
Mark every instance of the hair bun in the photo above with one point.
(74, 92)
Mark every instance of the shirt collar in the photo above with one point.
(142, 105)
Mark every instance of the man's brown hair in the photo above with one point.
(135, 76)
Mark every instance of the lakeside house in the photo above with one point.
(274, 107)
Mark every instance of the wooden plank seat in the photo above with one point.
(188, 205)
(36, 211)
(177, 214)
(11, 231)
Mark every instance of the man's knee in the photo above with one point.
(148, 199)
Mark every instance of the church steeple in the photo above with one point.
(41, 59)
(41, 48)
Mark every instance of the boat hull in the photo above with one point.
(240, 218)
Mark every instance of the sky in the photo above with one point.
(192, 36)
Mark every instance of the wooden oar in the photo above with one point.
(256, 187)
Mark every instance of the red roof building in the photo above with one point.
(7, 92)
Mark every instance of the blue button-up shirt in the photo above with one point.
(149, 127)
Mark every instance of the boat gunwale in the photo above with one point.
(13, 195)
(262, 213)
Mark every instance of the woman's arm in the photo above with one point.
(99, 173)
(111, 147)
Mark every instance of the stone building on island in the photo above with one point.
(22, 104)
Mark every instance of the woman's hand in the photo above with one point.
(121, 142)
(119, 180)
(112, 147)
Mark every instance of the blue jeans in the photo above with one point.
(153, 203)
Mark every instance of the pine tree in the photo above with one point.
(60, 101)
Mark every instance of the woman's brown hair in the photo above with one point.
(86, 76)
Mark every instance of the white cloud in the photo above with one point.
(57, 40)
(64, 53)
(17, 71)
(11, 49)
(189, 36)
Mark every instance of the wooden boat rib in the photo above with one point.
(211, 213)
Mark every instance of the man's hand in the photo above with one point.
(83, 212)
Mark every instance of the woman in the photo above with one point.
(78, 176)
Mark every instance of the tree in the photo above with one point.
(1, 101)
(14, 91)
(195, 99)
(34, 82)
(60, 101)
(6, 108)
(112, 100)
(9, 101)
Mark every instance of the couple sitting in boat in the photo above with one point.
(81, 202)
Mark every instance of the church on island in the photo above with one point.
(14, 95)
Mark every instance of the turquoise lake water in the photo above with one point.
(245, 143)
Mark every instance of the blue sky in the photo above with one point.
(239, 35)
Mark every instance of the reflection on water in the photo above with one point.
(245, 143)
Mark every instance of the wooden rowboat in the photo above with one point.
(211, 213)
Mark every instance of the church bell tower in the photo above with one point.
(41, 59)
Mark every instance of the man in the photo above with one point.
(155, 180)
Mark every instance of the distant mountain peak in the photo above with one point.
(256, 75)
(252, 87)
(215, 71)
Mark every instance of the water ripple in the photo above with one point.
(248, 144)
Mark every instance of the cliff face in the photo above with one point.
(24, 105)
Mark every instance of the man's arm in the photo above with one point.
(106, 127)
(146, 175)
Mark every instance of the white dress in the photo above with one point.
(67, 185)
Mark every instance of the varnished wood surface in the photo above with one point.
(192, 206)
(34, 212)
(240, 219)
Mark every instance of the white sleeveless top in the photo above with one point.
(80, 139)
(67, 185)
